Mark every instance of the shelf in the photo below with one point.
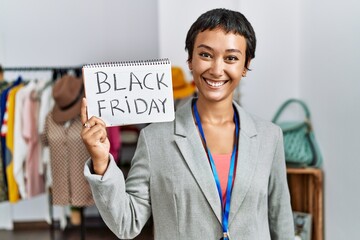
(306, 191)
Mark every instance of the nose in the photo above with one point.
(217, 68)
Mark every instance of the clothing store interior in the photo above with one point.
(307, 54)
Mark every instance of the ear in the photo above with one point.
(246, 68)
(244, 72)
(190, 65)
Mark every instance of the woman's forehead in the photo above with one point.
(218, 38)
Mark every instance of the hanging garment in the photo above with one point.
(3, 192)
(20, 146)
(3, 100)
(13, 189)
(35, 182)
(115, 142)
(46, 104)
(3, 187)
(68, 156)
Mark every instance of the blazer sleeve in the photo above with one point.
(281, 221)
(124, 207)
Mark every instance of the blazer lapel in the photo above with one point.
(248, 148)
(191, 147)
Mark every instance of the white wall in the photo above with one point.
(70, 33)
(74, 32)
(329, 81)
(274, 76)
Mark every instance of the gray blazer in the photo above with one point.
(171, 179)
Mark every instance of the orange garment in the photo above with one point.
(13, 190)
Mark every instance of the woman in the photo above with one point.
(181, 169)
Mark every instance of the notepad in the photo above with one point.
(132, 92)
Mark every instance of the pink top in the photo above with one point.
(35, 183)
(222, 163)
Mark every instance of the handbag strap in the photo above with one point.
(286, 103)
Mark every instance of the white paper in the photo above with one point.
(129, 93)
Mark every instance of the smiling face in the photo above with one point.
(217, 64)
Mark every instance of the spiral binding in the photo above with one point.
(161, 61)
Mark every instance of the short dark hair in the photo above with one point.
(229, 21)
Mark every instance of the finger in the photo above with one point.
(96, 121)
(100, 135)
(97, 134)
(83, 112)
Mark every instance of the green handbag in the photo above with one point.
(301, 148)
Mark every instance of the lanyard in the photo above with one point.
(225, 215)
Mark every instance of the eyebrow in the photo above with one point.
(211, 49)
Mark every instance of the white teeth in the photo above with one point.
(215, 84)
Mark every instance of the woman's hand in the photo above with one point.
(94, 136)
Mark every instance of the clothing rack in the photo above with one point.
(18, 69)
(57, 72)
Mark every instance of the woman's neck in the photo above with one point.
(217, 121)
(216, 113)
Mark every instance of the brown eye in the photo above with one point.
(232, 58)
(205, 55)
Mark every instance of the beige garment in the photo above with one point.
(68, 155)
